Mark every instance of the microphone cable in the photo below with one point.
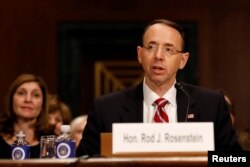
(179, 86)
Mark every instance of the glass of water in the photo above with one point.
(47, 146)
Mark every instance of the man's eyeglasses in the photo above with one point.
(166, 50)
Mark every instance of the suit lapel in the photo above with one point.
(133, 107)
(182, 106)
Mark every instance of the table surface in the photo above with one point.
(109, 161)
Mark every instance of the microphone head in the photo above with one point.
(178, 86)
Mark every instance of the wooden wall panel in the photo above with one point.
(28, 37)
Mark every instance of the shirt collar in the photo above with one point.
(150, 96)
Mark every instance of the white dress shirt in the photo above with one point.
(149, 109)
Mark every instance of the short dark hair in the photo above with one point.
(169, 23)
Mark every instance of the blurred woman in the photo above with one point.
(25, 110)
(59, 113)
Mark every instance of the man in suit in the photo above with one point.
(161, 55)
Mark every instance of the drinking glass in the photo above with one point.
(48, 146)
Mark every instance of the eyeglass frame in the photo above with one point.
(155, 48)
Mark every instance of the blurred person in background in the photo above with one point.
(25, 110)
(230, 105)
(244, 138)
(77, 127)
(59, 113)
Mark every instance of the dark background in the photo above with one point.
(33, 40)
(82, 44)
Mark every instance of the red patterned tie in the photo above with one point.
(160, 115)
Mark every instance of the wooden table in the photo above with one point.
(174, 161)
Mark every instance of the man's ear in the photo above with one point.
(184, 59)
(139, 54)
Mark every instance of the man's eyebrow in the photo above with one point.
(169, 44)
(165, 44)
(152, 42)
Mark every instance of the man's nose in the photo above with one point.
(159, 53)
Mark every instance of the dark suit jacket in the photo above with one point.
(127, 106)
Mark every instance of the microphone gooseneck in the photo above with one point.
(180, 87)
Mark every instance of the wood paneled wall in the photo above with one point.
(28, 38)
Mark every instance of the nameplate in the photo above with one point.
(162, 137)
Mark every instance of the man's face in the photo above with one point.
(160, 55)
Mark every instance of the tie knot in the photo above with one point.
(161, 102)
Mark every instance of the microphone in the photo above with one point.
(180, 87)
